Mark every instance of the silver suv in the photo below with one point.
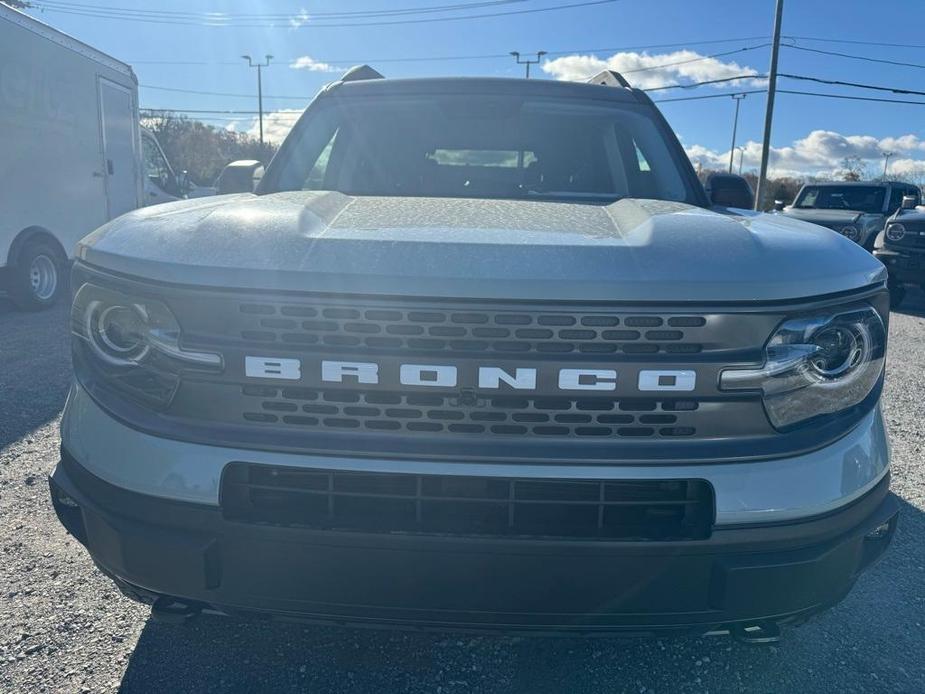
(481, 354)
(857, 210)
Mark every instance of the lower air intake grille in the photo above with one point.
(468, 506)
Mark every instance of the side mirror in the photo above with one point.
(729, 190)
(240, 177)
(779, 205)
(909, 202)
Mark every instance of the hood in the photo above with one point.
(631, 250)
(828, 218)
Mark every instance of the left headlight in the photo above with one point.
(816, 365)
(132, 345)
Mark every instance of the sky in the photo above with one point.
(182, 50)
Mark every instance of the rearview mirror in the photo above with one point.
(240, 177)
(779, 205)
(909, 202)
(729, 190)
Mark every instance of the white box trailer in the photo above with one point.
(69, 151)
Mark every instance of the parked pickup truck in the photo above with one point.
(858, 211)
(482, 354)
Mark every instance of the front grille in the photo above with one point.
(437, 329)
(468, 506)
(439, 414)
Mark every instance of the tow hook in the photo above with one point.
(168, 610)
(757, 633)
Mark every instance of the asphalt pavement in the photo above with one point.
(65, 628)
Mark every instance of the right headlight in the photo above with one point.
(895, 231)
(131, 345)
(816, 365)
(851, 232)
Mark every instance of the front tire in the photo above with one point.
(37, 279)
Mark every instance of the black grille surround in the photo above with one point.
(374, 502)
(552, 425)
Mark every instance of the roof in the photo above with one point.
(486, 85)
(59, 37)
(842, 184)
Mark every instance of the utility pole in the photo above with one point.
(886, 161)
(769, 112)
(741, 156)
(259, 67)
(735, 126)
(527, 62)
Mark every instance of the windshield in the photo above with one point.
(856, 198)
(481, 147)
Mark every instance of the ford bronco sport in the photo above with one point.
(478, 353)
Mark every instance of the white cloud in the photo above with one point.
(820, 153)
(646, 71)
(276, 124)
(306, 62)
(299, 19)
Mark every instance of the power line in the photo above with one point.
(724, 95)
(856, 57)
(705, 82)
(857, 85)
(231, 16)
(298, 22)
(889, 44)
(494, 56)
(852, 98)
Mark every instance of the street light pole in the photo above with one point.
(886, 161)
(735, 126)
(259, 67)
(769, 110)
(527, 62)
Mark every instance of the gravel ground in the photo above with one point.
(64, 628)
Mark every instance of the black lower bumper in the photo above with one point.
(907, 267)
(737, 577)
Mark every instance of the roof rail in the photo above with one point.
(609, 78)
(361, 72)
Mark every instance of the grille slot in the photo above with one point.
(444, 414)
(448, 330)
(468, 506)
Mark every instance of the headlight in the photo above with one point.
(131, 344)
(816, 365)
(851, 232)
(895, 231)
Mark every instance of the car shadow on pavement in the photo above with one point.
(35, 369)
(913, 304)
(865, 643)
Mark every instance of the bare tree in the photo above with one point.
(202, 150)
(853, 169)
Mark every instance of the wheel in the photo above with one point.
(897, 294)
(37, 279)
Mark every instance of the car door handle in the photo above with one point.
(109, 166)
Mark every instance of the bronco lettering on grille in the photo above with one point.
(447, 376)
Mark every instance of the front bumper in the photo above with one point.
(903, 266)
(738, 577)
